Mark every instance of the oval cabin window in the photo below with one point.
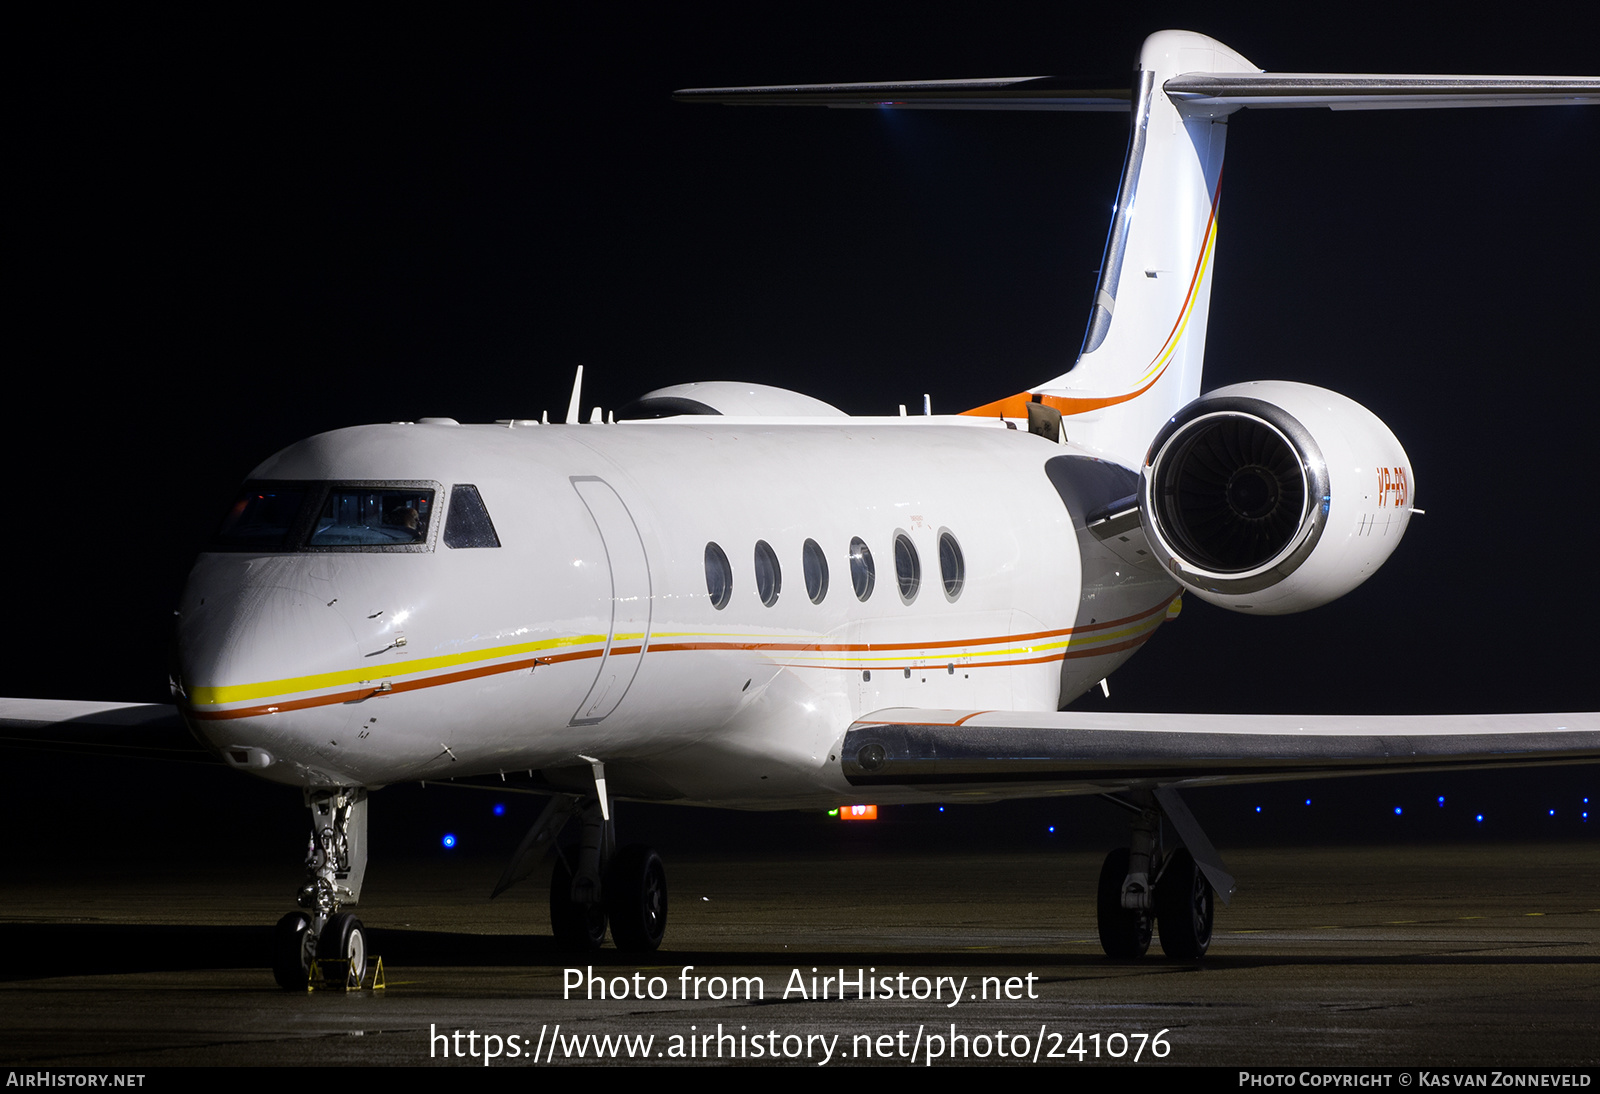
(816, 571)
(863, 575)
(952, 566)
(719, 577)
(907, 567)
(769, 577)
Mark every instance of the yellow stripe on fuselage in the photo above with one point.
(203, 696)
(819, 655)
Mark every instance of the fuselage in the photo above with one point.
(594, 628)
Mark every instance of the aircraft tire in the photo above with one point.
(577, 927)
(1123, 932)
(345, 938)
(1184, 908)
(636, 898)
(288, 951)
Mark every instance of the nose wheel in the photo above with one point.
(289, 965)
(344, 938)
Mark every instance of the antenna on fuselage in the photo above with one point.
(577, 393)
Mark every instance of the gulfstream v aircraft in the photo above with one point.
(736, 595)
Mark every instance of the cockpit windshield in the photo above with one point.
(262, 517)
(369, 516)
(329, 516)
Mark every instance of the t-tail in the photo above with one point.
(1142, 356)
(1145, 346)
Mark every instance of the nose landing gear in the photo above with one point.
(336, 863)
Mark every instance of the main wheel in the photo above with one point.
(1184, 908)
(636, 898)
(578, 927)
(345, 938)
(1124, 932)
(288, 951)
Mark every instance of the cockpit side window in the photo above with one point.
(467, 524)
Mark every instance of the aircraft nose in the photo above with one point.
(255, 643)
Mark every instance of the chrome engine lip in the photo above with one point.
(1314, 512)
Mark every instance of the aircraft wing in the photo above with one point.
(1091, 752)
(149, 730)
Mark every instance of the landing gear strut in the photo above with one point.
(336, 863)
(593, 884)
(1144, 886)
(577, 916)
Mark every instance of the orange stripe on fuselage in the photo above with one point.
(1016, 406)
(361, 693)
(878, 647)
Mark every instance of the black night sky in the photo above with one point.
(232, 229)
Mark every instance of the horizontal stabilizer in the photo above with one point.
(1090, 751)
(1202, 92)
(1338, 91)
(998, 93)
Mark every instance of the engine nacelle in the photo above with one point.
(1274, 497)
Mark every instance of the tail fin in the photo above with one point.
(1141, 358)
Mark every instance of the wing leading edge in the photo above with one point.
(147, 730)
(1094, 752)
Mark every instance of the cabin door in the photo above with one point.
(629, 633)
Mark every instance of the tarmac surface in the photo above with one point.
(1410, 956)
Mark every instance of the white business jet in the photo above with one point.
(736, 595)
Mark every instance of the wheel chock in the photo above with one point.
(337, 974)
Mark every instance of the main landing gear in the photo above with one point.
(594, 884)
(336, 863)
(1145, 889)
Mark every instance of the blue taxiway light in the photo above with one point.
(1479, 818)
(499, 809)
(449, 840)
(1397, 810)
(1258, 809)
(1308, 801)
(1052, 829)
(1441, 800)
